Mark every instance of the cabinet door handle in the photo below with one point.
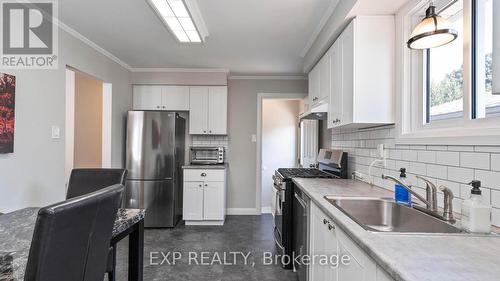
(158, 106)
(325, 221)
(205, 132)
(203, 174)
(210, 131)
(201, 185)
(206, 184)
(330, 227)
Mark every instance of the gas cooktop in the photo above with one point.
(288, 173)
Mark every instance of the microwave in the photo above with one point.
(207, 155)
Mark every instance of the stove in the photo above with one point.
(289, 173)
(331, 164)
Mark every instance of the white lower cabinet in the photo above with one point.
(327, 239)
(323, 242)
(204, 197)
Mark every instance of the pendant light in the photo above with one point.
(433, 31)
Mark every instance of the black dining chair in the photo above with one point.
(84, 181)
(71, 238)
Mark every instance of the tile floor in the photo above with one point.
(246, 234)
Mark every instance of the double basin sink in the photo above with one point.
(385, 215)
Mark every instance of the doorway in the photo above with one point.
(88, 122)
(277, 142)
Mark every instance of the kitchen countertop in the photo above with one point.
(206, 167)
(16, 233)
(409, 257)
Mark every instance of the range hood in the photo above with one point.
(319, 112)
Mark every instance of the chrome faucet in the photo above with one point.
(431, 194)
(448, 204)
(431, 205)
(427, 203)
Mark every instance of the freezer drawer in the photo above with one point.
(159, 198)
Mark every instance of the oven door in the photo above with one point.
(278, 217)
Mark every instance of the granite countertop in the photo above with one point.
(206, 167)
(410, 257)
(16, 232)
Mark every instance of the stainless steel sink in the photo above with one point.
(385, 215)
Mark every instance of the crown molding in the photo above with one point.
(192, 70)
(328, 13)
(91, 44)
(267, 77)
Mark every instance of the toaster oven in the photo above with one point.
(207, 155)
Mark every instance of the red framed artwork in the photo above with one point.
(7, 112)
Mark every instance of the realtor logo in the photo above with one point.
(28, 34)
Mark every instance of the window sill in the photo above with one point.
(454, 136)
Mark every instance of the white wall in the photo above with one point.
(279, 141)
(34, 174)
(242, 116)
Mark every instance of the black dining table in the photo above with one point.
(16, 233)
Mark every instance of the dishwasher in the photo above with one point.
(300, 231)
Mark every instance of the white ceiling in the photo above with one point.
(246, 36)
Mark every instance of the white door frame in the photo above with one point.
(258, 171)
(69, 132)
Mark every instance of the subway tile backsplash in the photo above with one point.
(211, 141)
(452, 166)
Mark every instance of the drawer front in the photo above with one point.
(204, 175)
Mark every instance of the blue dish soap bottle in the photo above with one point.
(401, 195)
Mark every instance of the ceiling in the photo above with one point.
(246, 36)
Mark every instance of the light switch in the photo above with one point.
(254, 138)
(56, 132)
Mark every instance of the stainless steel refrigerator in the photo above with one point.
(155, 155)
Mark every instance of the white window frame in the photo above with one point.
(410, 103)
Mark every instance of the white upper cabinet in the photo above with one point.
(217, 110)
(170, 98)
(198, 110)
(362, 74)
(175, 98)
(335, 106)
(208, 110)
(147, 98)
(319, 82)
(314, 85)
(324, 78)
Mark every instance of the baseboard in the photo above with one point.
(267, 210)
(217, 223)
(242, 212)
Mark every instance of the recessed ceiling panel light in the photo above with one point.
(163, 8)
(193, 36)
(182, 36)
(173, 23)
(179, 8)
(187, 24)
(176, 16)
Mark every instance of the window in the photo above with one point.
(444, 81)
(484, 103)
(451, 94)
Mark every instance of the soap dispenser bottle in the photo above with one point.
(476, 215)
(401, 195)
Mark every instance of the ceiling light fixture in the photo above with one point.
(433, 31)
(175, 14)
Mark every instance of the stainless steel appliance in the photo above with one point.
(155, 155)
(300, 231)
(204, 155)
(331, 164)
